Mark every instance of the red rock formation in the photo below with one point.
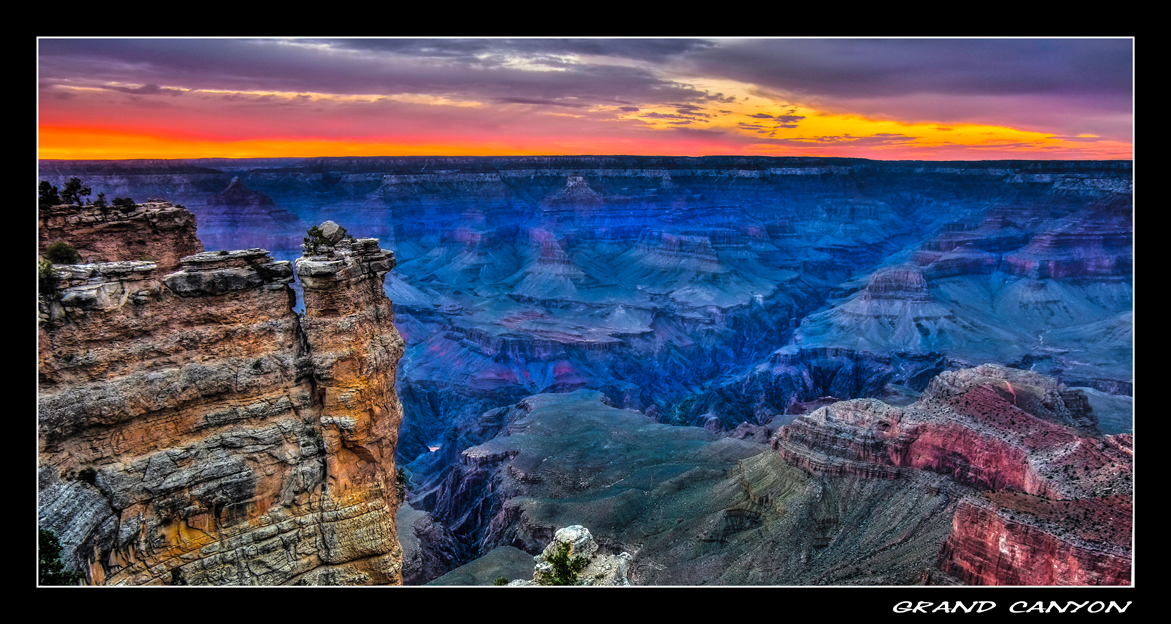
(1056, 501)
(193, 430)
(1015, 539)
(155, 232)
(1097, 243)
(900, 284)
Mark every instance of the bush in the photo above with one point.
(316, 238)
(125, 203)
(500, 580)
(47, 277)
(48, 195)
(565, 569)
(89, 475)
(50, 569)
(62, 252)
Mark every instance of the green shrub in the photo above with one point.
(50, 569)
(565, 569)
(89, 475)
(47, 277)
(62, 252)
(500, 580)
(316, 238)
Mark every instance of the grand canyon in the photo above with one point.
(730, 370)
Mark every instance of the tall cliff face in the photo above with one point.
(194, 430)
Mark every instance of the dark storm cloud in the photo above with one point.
(864, 68)
(466, 69)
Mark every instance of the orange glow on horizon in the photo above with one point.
(921, 143)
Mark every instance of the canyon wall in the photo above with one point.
(193, 429)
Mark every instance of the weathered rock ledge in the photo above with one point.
(154, 231)
(195, 430)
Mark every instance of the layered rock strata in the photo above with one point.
(194, 430)
(1052, 498)
(153, 231)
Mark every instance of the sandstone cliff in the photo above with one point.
(194, 430)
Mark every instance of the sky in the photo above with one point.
(884, 99)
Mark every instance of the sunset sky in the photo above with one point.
(889, 99)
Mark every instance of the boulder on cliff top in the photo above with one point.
(332, 232)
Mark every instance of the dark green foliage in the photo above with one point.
(46, 278)
(51, 570)
(316, 238)
(48, 195)
(101, 203)
(74, 191)
(89, 475)
(565, 569)
(222, 252)
(500, 580)
(125, 203)
(62, 252)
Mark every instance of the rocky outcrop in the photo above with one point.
(1052, 499)
(1095, 243)
(596, 568)
(154, 231)
(1008, 538)
(194, 430)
